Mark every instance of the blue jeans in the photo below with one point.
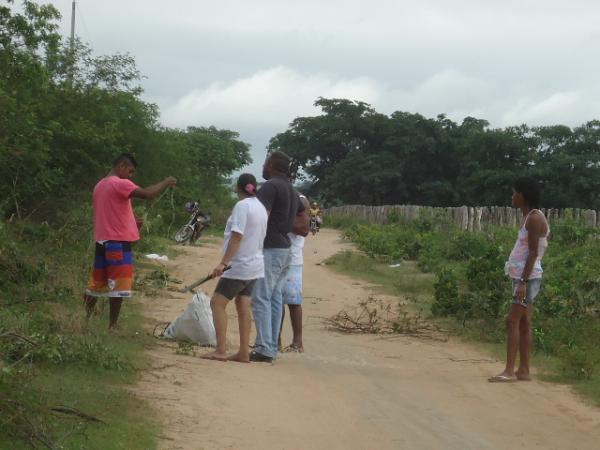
(267, 300)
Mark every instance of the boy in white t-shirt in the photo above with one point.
(292, 287)
(243, 251)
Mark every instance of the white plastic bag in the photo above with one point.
(158, 257)
(195, 324)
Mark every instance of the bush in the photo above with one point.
(570, 232)
(578, 363)
(471, 285)
(464, 246)
(341, 222)
(445, 301)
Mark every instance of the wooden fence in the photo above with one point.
(464, 217)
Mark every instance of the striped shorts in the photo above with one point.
(112, 275)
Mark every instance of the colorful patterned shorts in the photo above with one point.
(292, 286)
(112, 275)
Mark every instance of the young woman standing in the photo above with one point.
(525, 270)
(243, 251)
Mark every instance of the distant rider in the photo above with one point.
(315, 212)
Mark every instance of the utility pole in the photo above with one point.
(73, 25)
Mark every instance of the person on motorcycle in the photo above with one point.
(315, 211)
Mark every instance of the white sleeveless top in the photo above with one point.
(296, 249)
(518, 257)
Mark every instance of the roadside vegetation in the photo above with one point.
(65, 114)
(456, 279)
(353, 155)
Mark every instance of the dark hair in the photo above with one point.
(125, 158)
(531, 191)
(247, 183)
(280, 161)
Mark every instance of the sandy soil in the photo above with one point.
(349, 391)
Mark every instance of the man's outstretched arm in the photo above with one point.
(154, 190)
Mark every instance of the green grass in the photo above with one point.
(87, 387)
(72, 362)
(154, 244)
(407, 280)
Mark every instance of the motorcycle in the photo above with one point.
(313, 225)
(192, 230)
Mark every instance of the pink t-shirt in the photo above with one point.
(113, 214)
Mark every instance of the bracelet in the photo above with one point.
(223, 264)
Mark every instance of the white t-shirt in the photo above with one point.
(249, 218)
(296, 249)
(297, 246)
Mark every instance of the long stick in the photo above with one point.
(195, 284)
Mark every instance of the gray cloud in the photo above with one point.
(254, 66)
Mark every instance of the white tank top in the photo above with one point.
(518, 257)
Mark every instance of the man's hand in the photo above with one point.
(521, 292)
(154, 190)
(170, 181)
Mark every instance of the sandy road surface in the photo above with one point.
(350, 392)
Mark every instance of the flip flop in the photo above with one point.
(502, 379)
(238, 361)
(213, 358)
(293, 349)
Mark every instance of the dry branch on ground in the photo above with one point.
(374, 316)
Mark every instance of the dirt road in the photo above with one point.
(347, 391)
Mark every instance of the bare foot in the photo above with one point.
(523, 376)
(115, 329)
(237, 357)
(215, 356)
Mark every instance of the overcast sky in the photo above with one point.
(254, 65)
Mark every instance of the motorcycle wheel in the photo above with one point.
(184, 233)
(196, 235)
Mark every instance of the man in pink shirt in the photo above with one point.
(115, 228)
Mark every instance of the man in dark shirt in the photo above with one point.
(282, 203)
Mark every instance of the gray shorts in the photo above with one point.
(231, 288)
(533, 289)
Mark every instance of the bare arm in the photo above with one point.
(232, 248)
(535, 227)
(154, 190)
(302, 220)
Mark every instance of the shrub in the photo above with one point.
(471, 285)
(578, 363)
(445, 301)
(570, 232)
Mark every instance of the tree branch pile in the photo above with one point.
(374, 316)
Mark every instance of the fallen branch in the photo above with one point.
(373, 316)
(17, 336)
(68, 410)
(164, 326)
(18, 414)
